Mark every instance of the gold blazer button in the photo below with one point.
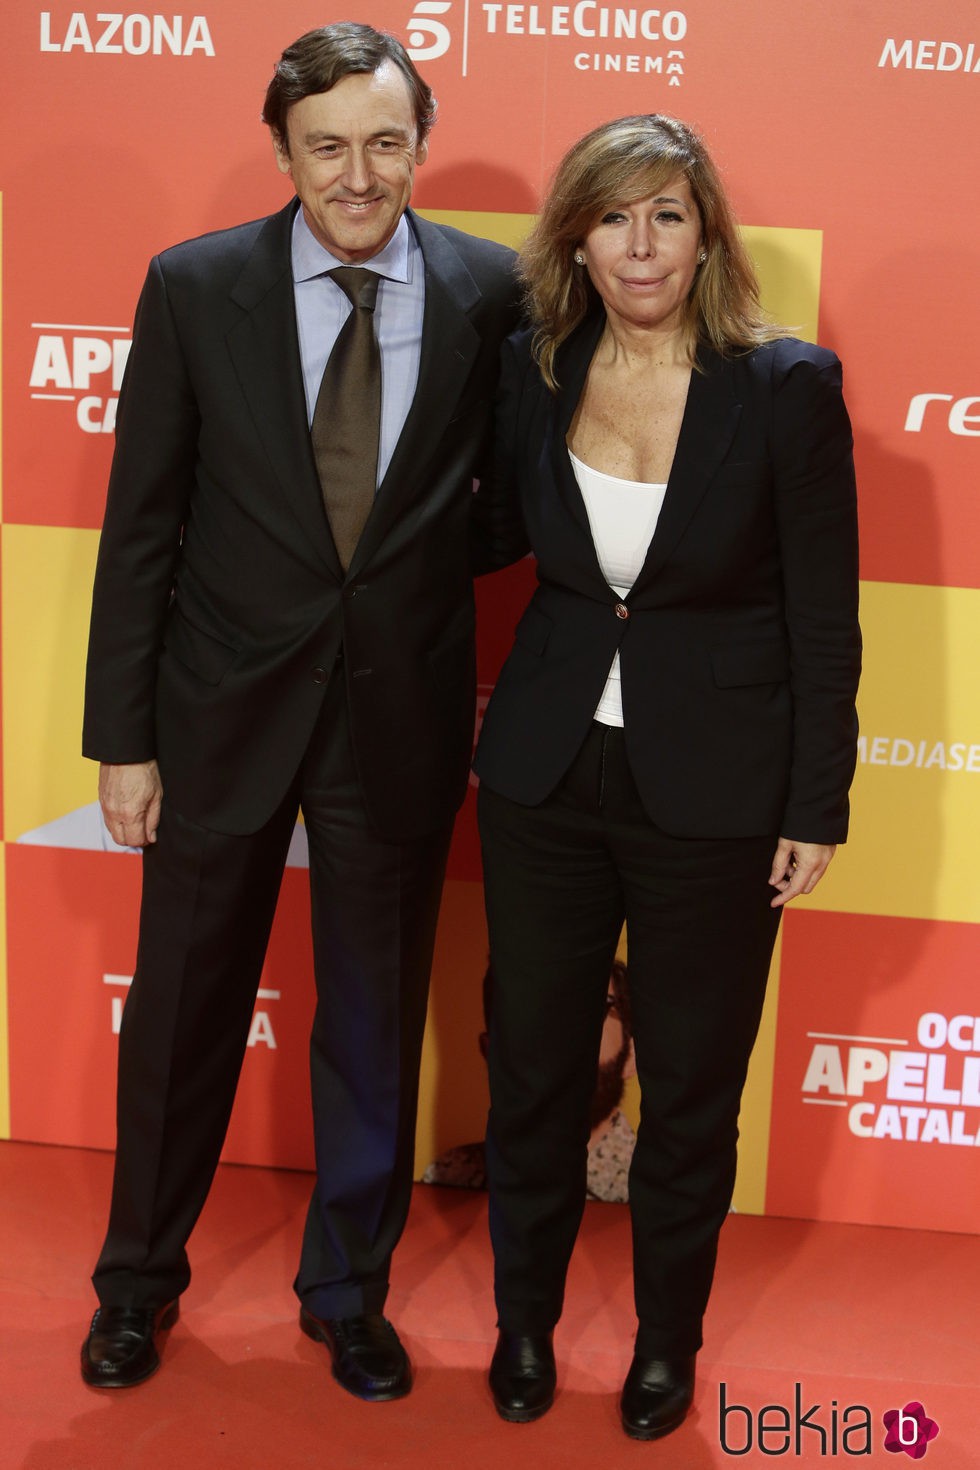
(622, 611)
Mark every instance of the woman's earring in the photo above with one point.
(702, 257)
(579, 258)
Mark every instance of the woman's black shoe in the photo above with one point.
(522, 1376)
(656, 1395)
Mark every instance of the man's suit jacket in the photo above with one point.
(220, 606)
(740, 647)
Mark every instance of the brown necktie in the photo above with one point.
(347, 419)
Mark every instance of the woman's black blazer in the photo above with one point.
(739, 643)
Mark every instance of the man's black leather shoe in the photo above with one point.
(368, 1359)
(121, 1348)
(656, 1395)
(522, 1376)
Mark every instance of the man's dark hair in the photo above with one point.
(322, 58)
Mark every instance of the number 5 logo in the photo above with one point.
(421, 29)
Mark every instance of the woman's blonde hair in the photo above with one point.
(620, 162)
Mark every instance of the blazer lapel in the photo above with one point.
(711, 417)
(264, 348)
(572, 369)
(450, 344)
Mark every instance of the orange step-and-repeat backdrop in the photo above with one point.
(847, 138)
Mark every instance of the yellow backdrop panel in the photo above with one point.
(916, 798)
(788, 261)
(47, 591)
(755, 1119)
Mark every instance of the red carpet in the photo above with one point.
(856, 1316)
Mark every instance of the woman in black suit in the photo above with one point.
(672, 738)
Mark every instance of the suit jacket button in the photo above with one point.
(320, 676)
(622, 611)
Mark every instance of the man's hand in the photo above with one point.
(130, 798)
(797, 868)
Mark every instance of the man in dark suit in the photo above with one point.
(260, 643)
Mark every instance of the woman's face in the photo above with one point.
(642, 257)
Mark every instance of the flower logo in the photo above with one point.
(909, 1429)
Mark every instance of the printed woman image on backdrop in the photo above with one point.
(611, 1138)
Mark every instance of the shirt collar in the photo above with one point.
(311, 259)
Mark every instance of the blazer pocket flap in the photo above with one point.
(208, 657)
(533, 630)
(755, 663)
(743, 472)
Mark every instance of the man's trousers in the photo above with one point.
(207, 909)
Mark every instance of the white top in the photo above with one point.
(623, 516)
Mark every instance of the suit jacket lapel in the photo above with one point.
(264, 348)
(450, 344)
(711, 417)
(572, 369)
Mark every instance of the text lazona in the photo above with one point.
(105, 34)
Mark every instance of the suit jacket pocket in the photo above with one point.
(533, 630)
(750, 663)
(208, 657)
(744, 471)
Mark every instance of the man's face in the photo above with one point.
(351, 156)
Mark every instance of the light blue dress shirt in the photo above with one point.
(322, 308)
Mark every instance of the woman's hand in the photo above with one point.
(797, 868)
